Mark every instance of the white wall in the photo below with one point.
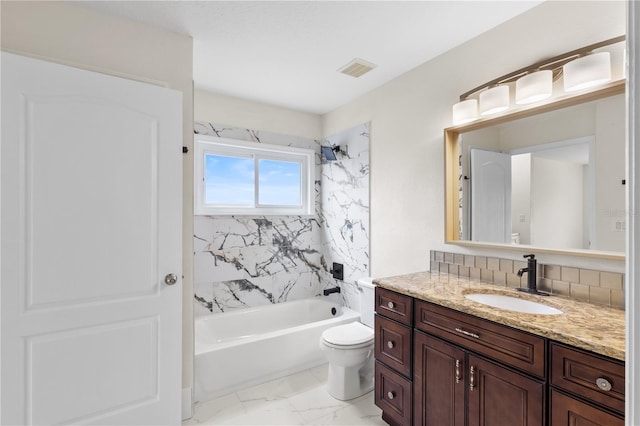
(253, 115)
(408, 116)
(610, 193)
(556, 206)
(71, 35)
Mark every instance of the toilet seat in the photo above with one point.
(353, 335)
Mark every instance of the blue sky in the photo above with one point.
(230, 180)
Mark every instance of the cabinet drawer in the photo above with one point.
(394, 305)
(393, 395)
(393, 344)
(503, 344)
(591, 376)
(567, 411)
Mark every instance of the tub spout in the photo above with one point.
(328, 291)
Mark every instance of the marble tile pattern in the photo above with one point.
(247, 261)
(584, 325)
(345, 206)
(299, 399)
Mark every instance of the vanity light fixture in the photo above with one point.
(582, 68)
(534, 87)
(465, 111)
(494, 100)
(587, 71)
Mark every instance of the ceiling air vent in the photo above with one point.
(357, 67)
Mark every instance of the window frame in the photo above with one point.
(257, 151)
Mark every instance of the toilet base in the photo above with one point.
(345, 383)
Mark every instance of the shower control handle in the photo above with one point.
(170, 279)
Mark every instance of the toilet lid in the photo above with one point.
(353, 333)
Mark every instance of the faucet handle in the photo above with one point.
(529, 256)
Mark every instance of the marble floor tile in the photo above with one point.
(219, 409)
(298, 399)
(280, 388)
(316, 403)
(321, 372)
(279, 412)
(361, 411)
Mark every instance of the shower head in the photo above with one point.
(329, 152)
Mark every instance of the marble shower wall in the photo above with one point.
(345, 207)
(247, 261)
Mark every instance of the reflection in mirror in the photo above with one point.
(554, 180)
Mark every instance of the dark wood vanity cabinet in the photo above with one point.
(393, 350)
(502, 396)
(447, 374)
(437, 366)
(586, 389)
(570, 411)
(440, 382)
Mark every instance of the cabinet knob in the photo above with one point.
(603, 384)
(391, 305)
(391, 395)
(390, 344)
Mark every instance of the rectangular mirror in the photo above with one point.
(548, 178)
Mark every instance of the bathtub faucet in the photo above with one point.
(328, 291)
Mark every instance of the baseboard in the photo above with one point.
(187, 403)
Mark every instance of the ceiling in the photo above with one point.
(287, 53)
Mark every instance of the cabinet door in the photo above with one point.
(582, 373)
(566, 411)
(439, 382)
(393, 396)
(501, 397)
(393, 345)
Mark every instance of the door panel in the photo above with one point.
(439, 382)
(74, 173)
(69, 359)
(501, 397)
(490, 196)
(567, 411)
(90, 221)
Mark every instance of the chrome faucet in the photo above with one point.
(532, 280)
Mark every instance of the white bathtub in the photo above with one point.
(250, 346)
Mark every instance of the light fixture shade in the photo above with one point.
(494, 100)
(587, 71)
(465, 111)
(534, 87)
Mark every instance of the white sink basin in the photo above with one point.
(510, 303)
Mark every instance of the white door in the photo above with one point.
(490, 196)
(90, 223)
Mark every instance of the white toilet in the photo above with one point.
(349, 349)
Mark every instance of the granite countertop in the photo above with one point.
(599, 329)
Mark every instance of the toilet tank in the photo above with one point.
(366, 294)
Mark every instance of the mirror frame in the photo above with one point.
(451, 169)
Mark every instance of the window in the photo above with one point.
(236, 177)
